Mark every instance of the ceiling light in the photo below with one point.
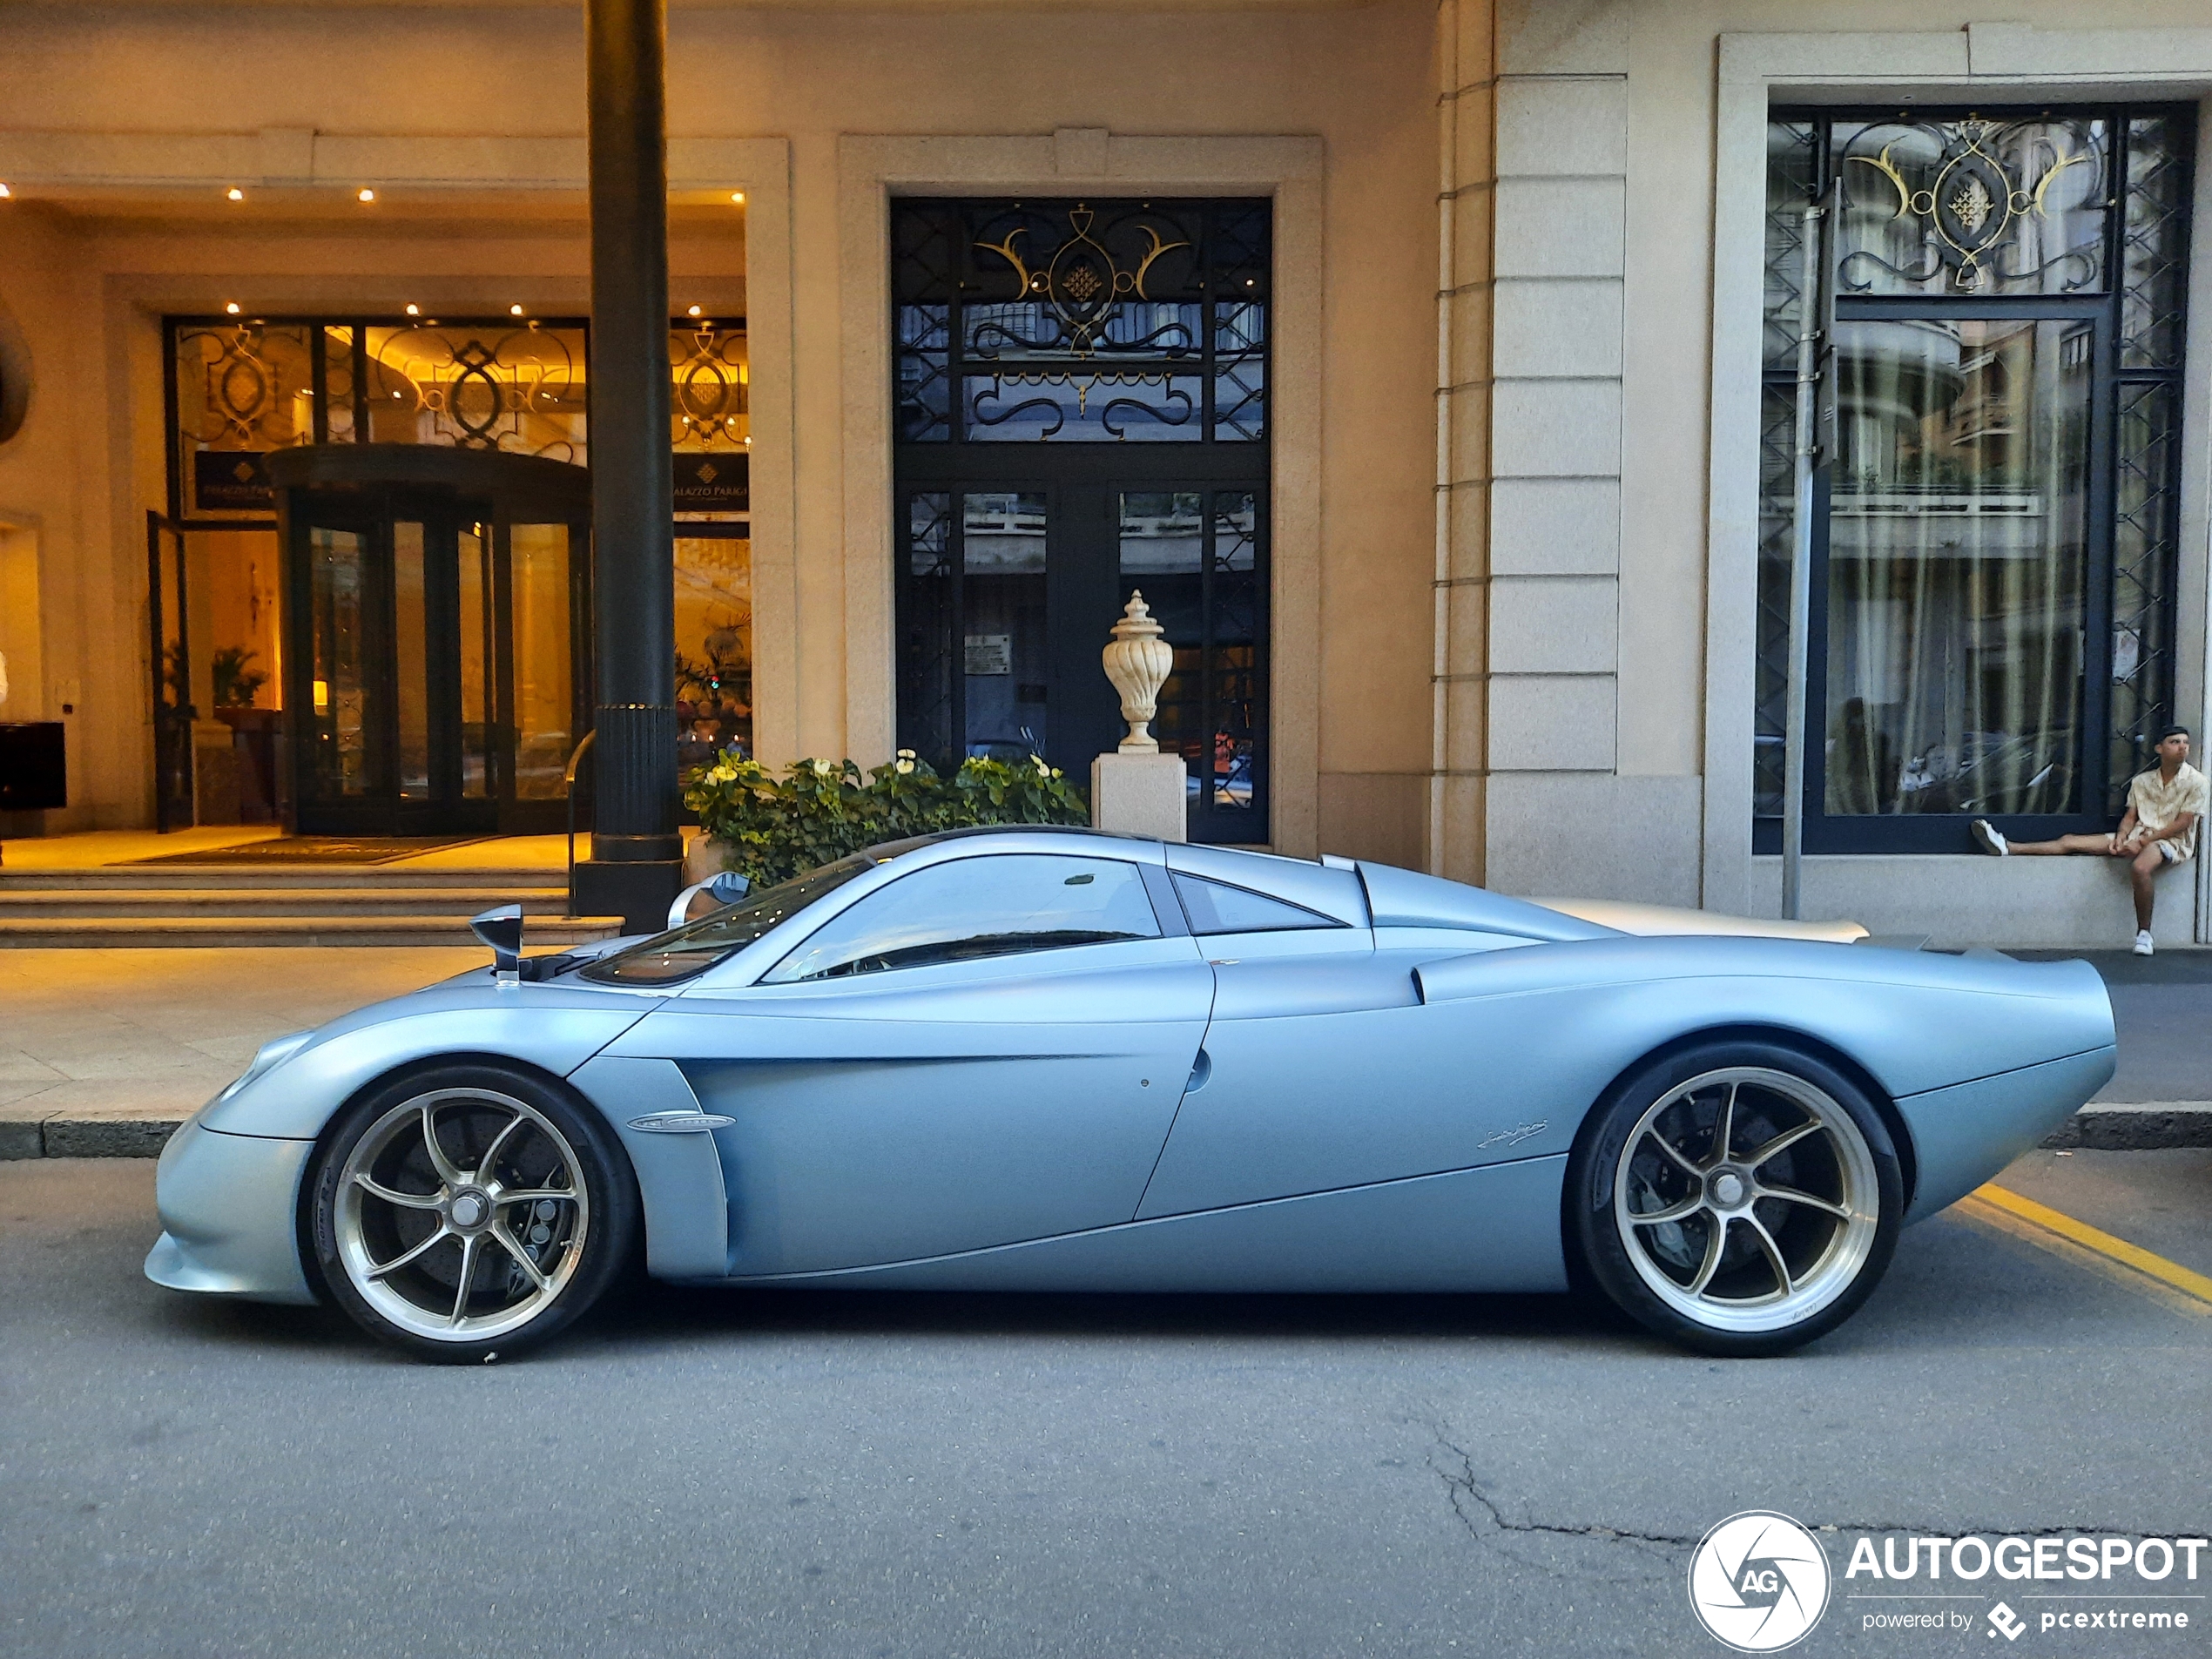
(514, 311)
(415, 311)
(366, 194)
(232, 307)
(694, 311)
(5, 192)
(737, 196)
(235, 194)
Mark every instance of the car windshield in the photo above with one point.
(696, 947)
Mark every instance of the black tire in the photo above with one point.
(1724, 1267)
(393, 1223)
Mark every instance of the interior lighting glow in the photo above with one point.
(232, 307)
(415, 311)
(737, 196)
(694, 311)
(5, 192)
(368, 195)
(514, 311)
(235, 194)
(322, 696)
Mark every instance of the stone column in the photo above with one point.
(1467, 106)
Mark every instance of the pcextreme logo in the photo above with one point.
(1759, 1582)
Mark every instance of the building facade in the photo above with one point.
(1430, 367)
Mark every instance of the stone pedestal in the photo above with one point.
(1139, 794)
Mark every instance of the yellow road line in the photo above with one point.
(2077, 1241)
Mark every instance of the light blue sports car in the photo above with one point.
(1057, 1060)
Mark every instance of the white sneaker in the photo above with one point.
(2143, 945)
(1990, 840)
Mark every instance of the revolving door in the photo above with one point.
(437, 623)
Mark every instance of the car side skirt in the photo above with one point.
(1492, 1229)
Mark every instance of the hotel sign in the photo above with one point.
(718, 482)
(235, 481)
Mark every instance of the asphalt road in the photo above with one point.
(799, 1474)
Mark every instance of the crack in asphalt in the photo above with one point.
(1486, 1518)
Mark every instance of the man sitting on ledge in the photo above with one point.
(2159, 828)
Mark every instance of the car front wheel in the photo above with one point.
(467, 1211)
(1739, 1198)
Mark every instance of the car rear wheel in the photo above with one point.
(1739, 1198)
(469, 1211)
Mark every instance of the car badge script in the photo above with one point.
(1759, 1582)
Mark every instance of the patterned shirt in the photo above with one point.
(2157, 803)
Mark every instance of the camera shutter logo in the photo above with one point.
(1759, 1582)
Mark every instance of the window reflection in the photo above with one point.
(1956, 566)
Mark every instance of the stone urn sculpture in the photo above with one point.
(1138, 661)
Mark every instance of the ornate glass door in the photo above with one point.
(1081, 413)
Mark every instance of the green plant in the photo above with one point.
(235, 683)
(776, 827)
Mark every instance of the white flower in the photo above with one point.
(902, 767)
(1044, 771)
(905, 754)
(1057, 773)
(822, 768)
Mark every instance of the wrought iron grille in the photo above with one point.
(2077, 216)
(1082, 322)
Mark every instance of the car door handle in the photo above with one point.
(1201, 1068)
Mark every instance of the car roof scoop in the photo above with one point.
(501, 929)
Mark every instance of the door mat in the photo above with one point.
(319, 849)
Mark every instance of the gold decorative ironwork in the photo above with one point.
(1973, 206)
(710, 382)
(1082, 282)
(520, 390)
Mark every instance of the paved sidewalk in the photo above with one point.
(103, 1052)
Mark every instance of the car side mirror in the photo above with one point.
(501, 928)
(725, 888)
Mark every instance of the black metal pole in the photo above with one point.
(636, 852)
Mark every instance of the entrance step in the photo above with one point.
(53, 903)
(174, 906)
(19, 932)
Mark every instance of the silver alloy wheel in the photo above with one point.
(493, 1246)
(1747, 1199)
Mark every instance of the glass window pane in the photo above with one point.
(2146, 534)
(975, 909)
(1973, 205)
(411, 686)
(1007, 669)
(1232, 653)
(1163, 557)
(1793, 170)
(713, 648)
(479, 386)
(1216, 908)
(544, 700)
(927, 618)
(2155, 242)
(477, 715)
(338, 582)
(1956, 557)
(1777, 546)
(243, 390)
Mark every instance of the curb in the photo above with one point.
(2138, 1126)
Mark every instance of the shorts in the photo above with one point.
(2172, 853)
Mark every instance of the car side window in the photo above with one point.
(971, 908)
(1216, 908)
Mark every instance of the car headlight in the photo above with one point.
(270, 1054)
